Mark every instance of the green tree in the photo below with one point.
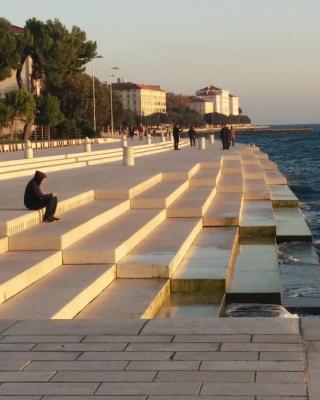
(9, 54)
(4, 114)
(48, 112)
(56, 52)
(21, 105)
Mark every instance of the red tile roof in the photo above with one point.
(16, 29)
(131, 86)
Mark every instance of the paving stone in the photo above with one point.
(204, 376)
(222, 326)
(281, 377)
(48, 388)
(166, 388)
(310, 328)
(202, 398)
(212, 338)
(280, 356)
(75, 327)
(20, 397)
(80, 347)
(279, 398)
(272, 389)
(12, 365)
(76, 366)
(260, 347)
(26, 376)
(95, 398)
(110, 376)
(127, 355)
(5, 324)
(173, 347)
(16, 346)
(41, 339)
(217, 356)
(313, 373)
(163, 366)
(126, 339)
(12, 355)
(276, 339)
(251, 366)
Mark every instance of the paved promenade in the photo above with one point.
(208, 359)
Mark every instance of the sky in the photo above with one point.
(264, 51)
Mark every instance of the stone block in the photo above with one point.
(156, 388)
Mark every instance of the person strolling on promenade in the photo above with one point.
(34, 199)
(176, 136)
(233, 134)
(192, 136)
(225, 139)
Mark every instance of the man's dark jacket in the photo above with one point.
(33, 193)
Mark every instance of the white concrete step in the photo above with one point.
(124, 189)
(128, 299)
(230, 166)
(252, 171)
(161, 195)
(255, 189)
(38, 163)
(257, 219)
(225, 210)
(247, 158)
(61, 294)
(13, 221)
(111, 242)
(274, 177)
(74, 225)
(266, 164)
(291, 225)
(19, 269)
(208, 265)
(230, 183)
(4, 244)
(159, 255)
(194, 202)
(256, 274)
(282, 196)
(182, 173)
(206, 177)
(260, 155)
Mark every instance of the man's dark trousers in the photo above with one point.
(49, 203)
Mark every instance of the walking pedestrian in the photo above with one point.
(34, 199)
(176, 136)
(233, 134)
(225, 137)
(192, 136)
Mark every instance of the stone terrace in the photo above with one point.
(77, 297)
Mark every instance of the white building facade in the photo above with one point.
(142, 99)
(222, 100)
(202, 106)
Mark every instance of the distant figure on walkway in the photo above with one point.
(34, 199)
(225, 137)
(176, 136)
(233, 134)
(131, 132)
(141, 132)
(192, 136)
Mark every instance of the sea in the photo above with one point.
(298, 158)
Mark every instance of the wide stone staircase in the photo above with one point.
(211, 228)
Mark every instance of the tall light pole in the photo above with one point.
(94, 95)
(111, 101)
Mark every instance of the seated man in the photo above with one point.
(34, 199)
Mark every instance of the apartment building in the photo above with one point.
(143, 99)
(202, 106)
(223, 102)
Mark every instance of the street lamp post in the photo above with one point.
(94, 95)
(111, 100)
